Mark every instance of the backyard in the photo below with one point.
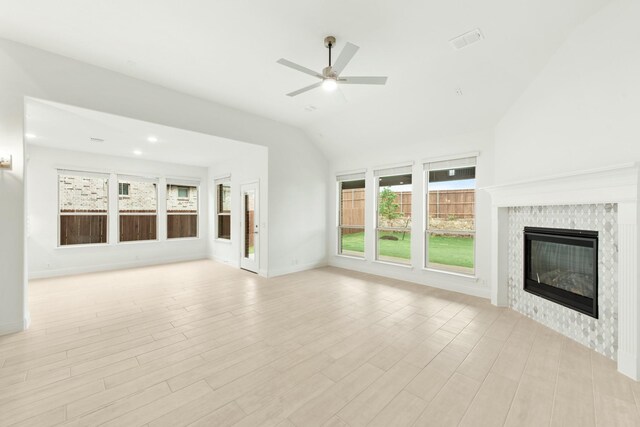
(447, 250)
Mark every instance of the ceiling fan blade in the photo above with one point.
(345, 56)
(295, 66)
(362, 80)
(305, 89)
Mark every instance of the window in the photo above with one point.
(223, 202)
(83, 200)
(351, 189)
(393, 215)
(451, 226)
(138, 210)
(182, 211)
(183, 192)
(123, 189)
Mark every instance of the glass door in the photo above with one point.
(250, 227)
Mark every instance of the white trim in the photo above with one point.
(15, 327)
(82, 173)
(393, 171)
(295, 269)
(602, 185)
(137, 178)
(452, 273)
(356, 176)
(394, 264)
(138, 242)
(223, 178)
(225, 261)
(181, 239)
(350, 172)
(450, 157)
(357, 258)
(99, 171)
(614, 168)
(82, 246)
(394, 165)
(408, 275)
(43, 274)
(181, 182)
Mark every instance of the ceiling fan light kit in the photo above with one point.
(330, 76)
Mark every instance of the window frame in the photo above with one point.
(122, 186)
(134, 178)
(107, 213)
(219, 183)
(399, 170)
(425, 234)
(188, 186)
(340, 179)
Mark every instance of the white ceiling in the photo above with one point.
(226, 51)
(64, 127)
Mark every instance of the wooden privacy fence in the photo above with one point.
(87, 229)
(454, 204)
(182, 225)
(83, 229)
(442, 204)
(138, 227)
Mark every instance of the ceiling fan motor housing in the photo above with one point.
(328, 73)
(329, 41)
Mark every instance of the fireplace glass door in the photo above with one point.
(562, 266)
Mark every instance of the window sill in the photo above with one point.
(84, 246)
(182, 239)
(135, 242)
(394, 264)
(357, 258)
(451, 273)
(226, 241)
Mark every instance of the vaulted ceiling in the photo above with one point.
(226, 51)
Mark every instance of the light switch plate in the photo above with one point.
(5, 161)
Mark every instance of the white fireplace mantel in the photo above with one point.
(616, 184)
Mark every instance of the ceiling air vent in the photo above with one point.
(466, 39)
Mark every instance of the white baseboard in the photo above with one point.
(226, 261)
(43, 274)
(449, 282)
(628, 365)
(296, 268)
(13, 327)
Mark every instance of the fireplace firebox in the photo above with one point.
(562, 266)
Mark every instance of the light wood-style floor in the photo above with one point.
(203, 344)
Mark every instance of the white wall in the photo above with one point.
(46, 259)
(418, 154)
(583, 110)
(297, 169)
(248, 169)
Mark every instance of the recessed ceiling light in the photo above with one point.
(137, 152)
(29, 135)
(152, 139)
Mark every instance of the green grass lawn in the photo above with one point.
(448, 250)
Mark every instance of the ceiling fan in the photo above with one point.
(330, 77)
